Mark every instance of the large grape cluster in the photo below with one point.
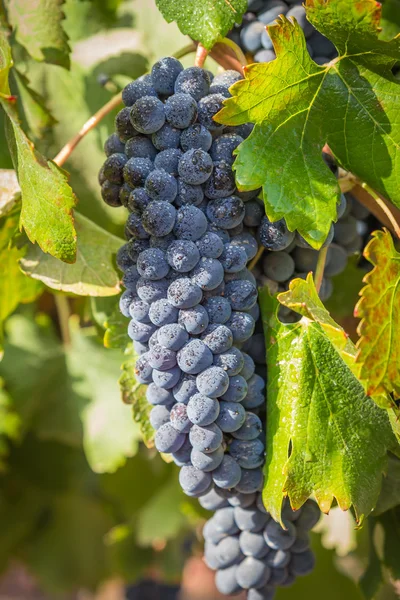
(254, 39)
(192, 304)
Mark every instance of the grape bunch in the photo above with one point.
(191, 300)
(250, 551)
(254, 39)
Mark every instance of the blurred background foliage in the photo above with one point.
(82, 500)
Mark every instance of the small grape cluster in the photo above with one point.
(250, 551)
(191, 299)
(253, 37)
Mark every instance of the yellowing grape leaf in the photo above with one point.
(324, 435)
(298, 106)
(93, 272)
(134, 393)
(379, 311)
(204, 20)
(47, 199)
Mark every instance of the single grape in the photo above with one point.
(150, 291)
(251, 481)
(148, 114)
(206, 439)
(219, 309)
(207, 462)
(193, 481)
(213, 382)
(231, 416)
(135, 90)
(195, 166)
(225, 580)
(156, 395)
(309, 517)
(194, 137)
(183, 255)
(218, 338)
(227, 474)
(179, 419)
(241, 325)
(183, 293)
(252, 573)
(208, 273)
(110, 192)
(278, 559)
(166, 138)
(143, 371)
(264, 56)
(251, 428)
(275, 236)
(125, 129)
(253, 544)
(159, 415)
(223, 146)
(193, 81)
(278, 538)
(303, 563)
(242, 295)
(194, 357)
(140, 332)
(250, 36)
(167, 439)
(248, 454)
(237, 389)
(136, 171)
(228, 552)
(221, 183)
(113, 145)
(224, 521)
(202, 410)
(140, 147)
(226, 212)
(213, 500)
(152, 264)
(159, 218)
(138, 200)
(191, 223)
(231, 361)
(180, 110)
(337, 260)
(164, 74)
(167, 379)
(210, 245)
(233, 258)
(168, 160)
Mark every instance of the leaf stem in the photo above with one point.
(383, 206)
(319, 271)
(91, 123)
(201, 55)
(256, 258)
(69, 147)
(237, 50)
(63, 314)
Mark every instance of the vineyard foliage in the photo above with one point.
(80, 482)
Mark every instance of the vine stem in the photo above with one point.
(63, 313)
(319, 271)
(237, 50)
(383, 206)
(257, 257)
(201, 55)
(94, 120)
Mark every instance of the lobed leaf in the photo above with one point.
(204, 20)
(324, 436)
(38, 27)
(379, 311)
(47, 199)
(93, 273)
(15, 287)
(134, 393)
(297, 106)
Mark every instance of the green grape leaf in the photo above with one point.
(379, 311)
(47, 199)
(93, 273)
(15, 287)
(160, 518)
(9, 190)
(390, 22)
(110, 434)
(68, 551)
(204, 20)
(390, 493)
(38, 27)
(134, 393)
(38, 118)
(10, 425)
(351, 104)
(324, 436)
(116, 335)
(346, 289)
